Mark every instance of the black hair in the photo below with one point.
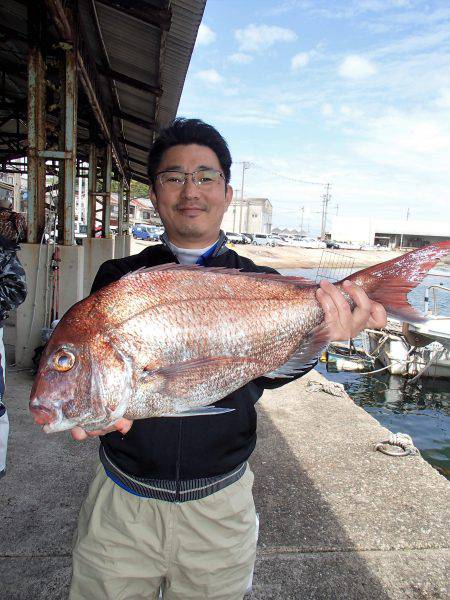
(189, 131)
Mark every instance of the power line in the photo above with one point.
(279, 175)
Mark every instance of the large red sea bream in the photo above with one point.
(171, 340)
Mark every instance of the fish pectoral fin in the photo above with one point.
(306, 354)
(180, 379)
(196, 364)
(200, 411)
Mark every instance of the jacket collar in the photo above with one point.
(219, 249)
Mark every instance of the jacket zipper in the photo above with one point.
(178, 466)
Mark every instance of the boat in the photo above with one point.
(413, 349)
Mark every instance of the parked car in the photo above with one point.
(141, 231)
(332, 244)
(349, 246)
(278, 240)
(247, 237)
(234, 238)
(263, 239)
(310, 243)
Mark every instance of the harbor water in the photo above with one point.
(420, 409)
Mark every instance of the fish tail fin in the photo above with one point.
(390, 282)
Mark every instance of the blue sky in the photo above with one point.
(351, 93)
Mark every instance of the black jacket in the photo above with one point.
(189, 447)
(13, 289)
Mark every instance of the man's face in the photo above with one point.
(191, 214)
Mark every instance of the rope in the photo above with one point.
(402, 440)
(435, 358)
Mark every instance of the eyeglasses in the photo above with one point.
(202, 177)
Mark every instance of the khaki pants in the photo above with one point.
(127, 547)
(4, 422)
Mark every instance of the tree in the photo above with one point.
(137, 189)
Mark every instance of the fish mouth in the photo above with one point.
(43, 415)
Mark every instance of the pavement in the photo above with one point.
(338, 519)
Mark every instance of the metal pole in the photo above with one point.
(242, 198)
(247, 218)
(126, 210)
(245, 165)
(92, 188)
(326, 199)
(79, 212)
(70, 144)
(36, 126)
(120, 213)
(107, 167)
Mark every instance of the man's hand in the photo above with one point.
(122, 425)
(344, 324)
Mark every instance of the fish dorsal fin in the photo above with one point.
(305, 355)
(295, 280)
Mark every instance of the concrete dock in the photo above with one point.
(338, 519)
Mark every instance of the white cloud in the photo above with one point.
(299, 60)
(356, 67)
(415, 142)
(327, 110)
(259, 37)
(444, 99)
(205, 35)
(284, 110)
(209, 76)
(350, 112)
(240, 58)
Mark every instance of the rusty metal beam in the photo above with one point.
(36, 127)
(88, 74)
(134, 145)
(130, 81)
(151, 125)
(159, 17)
(126, 211)
(92, 188)
(61, 20)
(120, 212)
(70, 144)
(138, 162)
(139, 177)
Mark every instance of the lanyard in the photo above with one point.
(201, 259)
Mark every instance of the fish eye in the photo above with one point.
(63, 360)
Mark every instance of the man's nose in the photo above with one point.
(189, 190)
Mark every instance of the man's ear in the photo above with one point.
(228, 195)
(152, 196)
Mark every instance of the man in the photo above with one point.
(12, 293)
(171, 503)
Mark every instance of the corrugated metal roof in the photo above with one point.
(147, 54)
(119, 46)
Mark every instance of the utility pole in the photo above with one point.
(245, 165)
(234, 201)
(302, 210)
(407, 214)
(326, 199)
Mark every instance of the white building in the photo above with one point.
(10, 188)
(249, 215)
(389, 232)
(141, 211)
